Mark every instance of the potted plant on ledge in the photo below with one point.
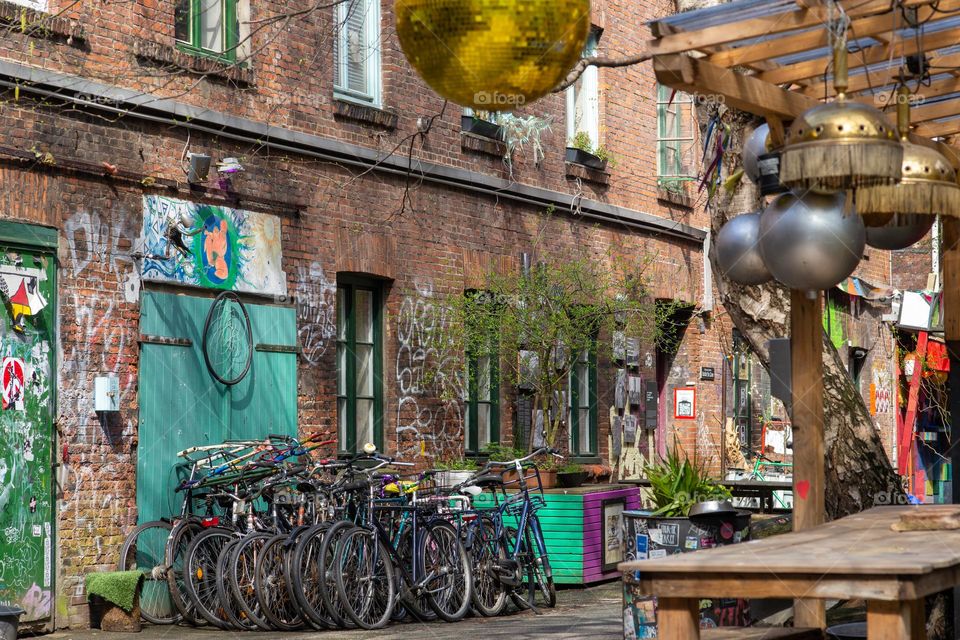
(581, 151)
(571, 475)
(480, 123)
(454, 471)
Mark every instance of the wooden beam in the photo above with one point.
(942, 128)
(809, 446)
(668, 41)
(936, 111)
(816, 38)
(876, 80)
(871, 55)
(740, 91)
(678, 618)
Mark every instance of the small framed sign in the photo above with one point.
(707, 373)
(685, 403)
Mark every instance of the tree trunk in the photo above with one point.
(859, 473)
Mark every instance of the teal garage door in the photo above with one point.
(182, 405)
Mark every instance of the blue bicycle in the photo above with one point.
(506, 541)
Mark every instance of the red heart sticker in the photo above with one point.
(803, 488)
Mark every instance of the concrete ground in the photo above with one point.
(580, 613)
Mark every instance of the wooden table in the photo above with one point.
(761, 489)
(859, 556)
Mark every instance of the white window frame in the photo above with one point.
(589, 85)
(372, 65)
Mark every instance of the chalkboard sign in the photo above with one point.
(707, 373)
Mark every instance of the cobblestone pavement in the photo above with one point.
(581, 613)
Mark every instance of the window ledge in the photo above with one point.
(574, 170)
(482, 144)
(585, 459)
(164, 54)
(365, 113)
(679, 199)
(42, 25)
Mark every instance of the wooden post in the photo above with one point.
(678, 618)
(950, 285)
(806, 365)
(895, 620)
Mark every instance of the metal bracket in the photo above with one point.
(278, 348)
(164, 340)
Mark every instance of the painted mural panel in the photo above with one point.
(26, 431)
(212, 247)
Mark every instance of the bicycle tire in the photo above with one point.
(328, 585)
(175, 554)
(364, 575)
(305, 577)
(270, 585)
(145, 549)
(229, 382)
(487, 552)
(238, 619)
(540, 574)
(416, 604)
(200, 574)
(441, 553)
(242, 575)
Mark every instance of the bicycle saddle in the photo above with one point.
(487, 480)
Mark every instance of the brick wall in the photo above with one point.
(352, 222)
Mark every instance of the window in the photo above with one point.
(483, 407)
(583, 406)
(359, 366)
(583, 99)
(208, 27)
(674, 138)
(356, 51)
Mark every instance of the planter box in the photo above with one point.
(585, 158)
(574, 530)
(650, 536)
(480, 127)
(570, 480)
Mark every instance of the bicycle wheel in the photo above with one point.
(238, 619)
(175, 554)
(145, 550)
(270, 585)
(242, 576)
(328, 585)
(445, 564)
(200, 574)
(304, 577)
(487, 553)
(227, 342)
(540, 587)
(414, 599)
(364, 575)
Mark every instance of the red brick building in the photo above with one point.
(360, 191)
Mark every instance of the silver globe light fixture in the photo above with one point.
(738, 254)
(901, 232)
(754, 147)
(811, 242)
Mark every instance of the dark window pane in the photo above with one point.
(182, 20)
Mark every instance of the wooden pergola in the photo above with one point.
(773, 58)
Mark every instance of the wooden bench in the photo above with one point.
(760, 633)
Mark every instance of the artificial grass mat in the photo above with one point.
(118, 587)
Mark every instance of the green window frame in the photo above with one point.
(583, 382)
(359, 364)
(483, 401)
(674, 137)
(192, 28)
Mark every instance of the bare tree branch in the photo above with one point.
(600, 61)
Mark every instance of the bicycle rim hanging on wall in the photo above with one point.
(228, 339)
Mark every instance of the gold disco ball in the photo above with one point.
(493, 54)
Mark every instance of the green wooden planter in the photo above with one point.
(573, 528)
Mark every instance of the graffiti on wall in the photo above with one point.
(430, 382)
(316, 311)
(210, 246)
(26, 497)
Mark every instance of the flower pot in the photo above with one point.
(586, 159)
(480, 127)
(452, 478)
(571, 479)
(548, 479)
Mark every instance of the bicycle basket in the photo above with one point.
(514, 507)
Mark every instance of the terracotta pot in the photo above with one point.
(548, 479)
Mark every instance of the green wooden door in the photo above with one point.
(27, 347)
(181, 405)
